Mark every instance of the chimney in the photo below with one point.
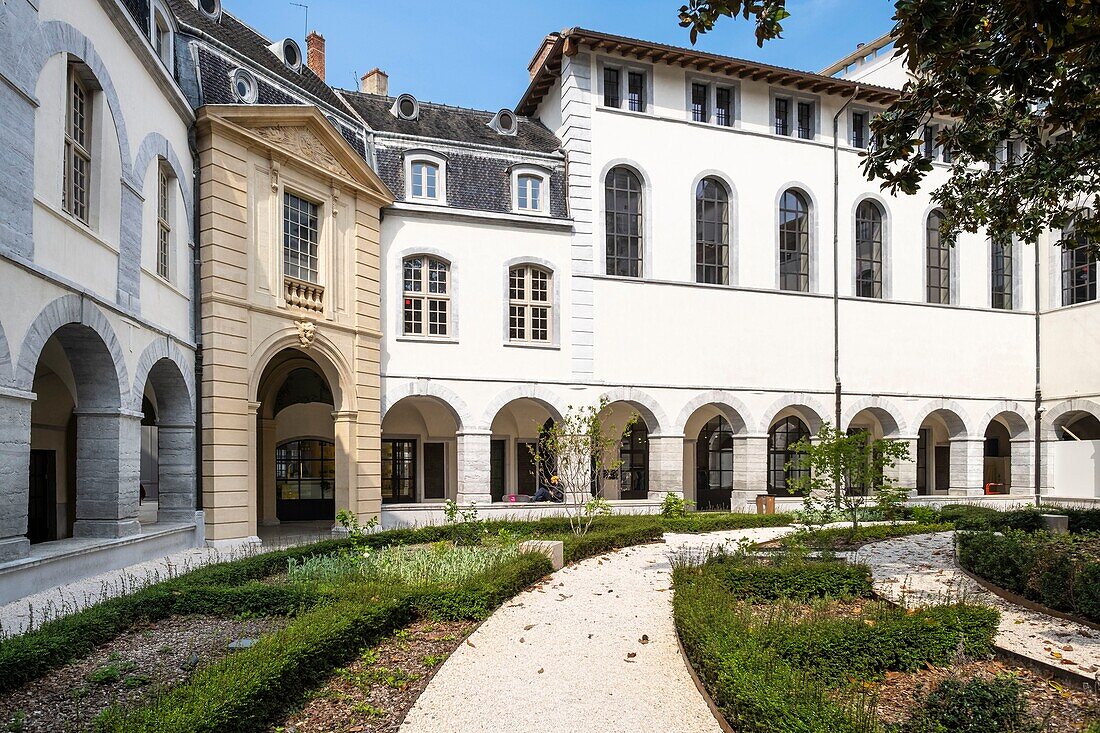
(375, 81)
(315, 54)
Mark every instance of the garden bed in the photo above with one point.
(845, 539)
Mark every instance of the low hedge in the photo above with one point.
(1059, 571)
(249, 689)
(840, 538)
(798, 581)
(600, 540)
(696, 522)
(980, 518)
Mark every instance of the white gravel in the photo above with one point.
(920, 570)
(557, 658)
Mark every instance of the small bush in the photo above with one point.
(600, 540)
(973, 706)
(799, 581)
(840, 538)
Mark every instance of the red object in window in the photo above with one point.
(408, 301)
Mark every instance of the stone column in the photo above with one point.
(750, 469)
(15, 455)
(176, 469)
(967, 467)
(266, 472)
(108, 475)
(1021, 467)
(344, 430)
(252, 481)
(666, 466)
(473, 467)
(904, 473)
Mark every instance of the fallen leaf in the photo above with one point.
(540, 670)
(528, 627)
(470, 643)
(631, 655)
(644, 639)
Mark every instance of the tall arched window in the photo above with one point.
(712, 232)
(529, 304)
(794, 242)
(869, 250)
(427, 296)
(1000, 273)
(937, 262)
(76, 194)
(1078, 267)
(714, 465)
(781, 439)
(634, 469)
(623, 211)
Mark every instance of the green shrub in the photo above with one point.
(973, 706)
(696, 522)
(839, 538)
(477, 599)
(922, 514)
(799, 581)
(674, 505)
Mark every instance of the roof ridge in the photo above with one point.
(441, 105)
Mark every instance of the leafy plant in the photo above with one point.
(973, 706)
(356, 532)
(674, 505)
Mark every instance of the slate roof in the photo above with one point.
(139, 11)
(456, 124)
(253, 46)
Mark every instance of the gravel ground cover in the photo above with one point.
(920, 570)
(124, 671)
(373, 694)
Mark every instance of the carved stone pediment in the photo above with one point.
(302, 142)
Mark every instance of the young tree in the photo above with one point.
(862, 466)
(575, 455)
(1004, 72)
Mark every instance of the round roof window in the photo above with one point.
(291, 55)
(244, 86)
(407, 107)
(211, 8)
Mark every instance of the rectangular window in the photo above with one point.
(859, 130)
(636, 91)
(723, 106)
(425, 177)
(930, 142)
(164, 227)
(398, 470)
(782, 116)
(1001, 274)
(806, 120)
(529, 193)
(78, 157)
(528, 304)
(699, 111)
(300, 237)
(611, 92)
(1078, 275)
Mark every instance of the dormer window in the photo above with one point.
(289, 53)
(245, 88)
(212, 9)
(406, 108)
(426, 174)
(161, 37)
(504, 122)
(530, 190)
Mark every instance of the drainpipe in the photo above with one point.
(836, 271)
(1038, 390)
(196, 305)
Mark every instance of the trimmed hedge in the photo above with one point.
(696, 522)
(840, 538)
(600, 540)
(798, 581)
(252, 687)
(1058, 571)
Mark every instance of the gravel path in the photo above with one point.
(591, 649)
(921, 570)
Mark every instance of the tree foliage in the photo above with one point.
(1025, 72)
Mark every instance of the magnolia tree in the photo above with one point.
(837, 469)
(575, 455)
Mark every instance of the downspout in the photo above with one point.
(196, 305)
(836, 274)
(1038, 389)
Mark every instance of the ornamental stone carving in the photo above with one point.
(307, 331)
(302, 142)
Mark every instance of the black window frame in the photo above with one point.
(870, 286)
(612, 91)
(794, 225)
(634, 461)
(805, 122)
(712, 232)
(781, 112)
(1001, 266)
(409, 475)
(792, 429)
(859, 130)
(937, 262)
(723, 109)
(636, 82)
(1078, 267)
(624, 253)
(715, 442)
(700, 102)
(285, 457)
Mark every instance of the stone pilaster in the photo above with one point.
(108, 447)
(266, 470)
(967, 467)
(15, 452)
(904, 472)
(473, 467)
(345, 425)
(750, 469)
(666, 466)
(176, 463)
(1021, 467)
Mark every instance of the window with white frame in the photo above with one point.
(426, 295)
(78, 146)
(300, 238)
(625, 87)
(869, 250)
(164, 222)
(1000, 272)
(529, 304)
(427, 178)
(162, 37)
(530, 191)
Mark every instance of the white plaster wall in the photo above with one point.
(1076, 468)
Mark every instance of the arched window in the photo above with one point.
(427, 296)
(714, 465)
(869, 250)
(781, 439)
(426, 175)
(712, 232)
(623, 203)
(937, 261)
(634, 454)
(529, 304)
(1078, 267)
(1000, 273)
(76, 194)
(794, 242)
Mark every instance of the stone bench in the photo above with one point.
(553, 550)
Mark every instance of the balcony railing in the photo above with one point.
(305, 295)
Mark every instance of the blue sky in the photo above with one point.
(474, 53)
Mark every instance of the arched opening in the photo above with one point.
(997, 458)
(419, 451)
(937, 439)
(712, 453)
(1078, 426)
(296, 442)
(167, 490)
(875, 423)
(784, 462)
(631, 479)
(516, 431)
(83, 448)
